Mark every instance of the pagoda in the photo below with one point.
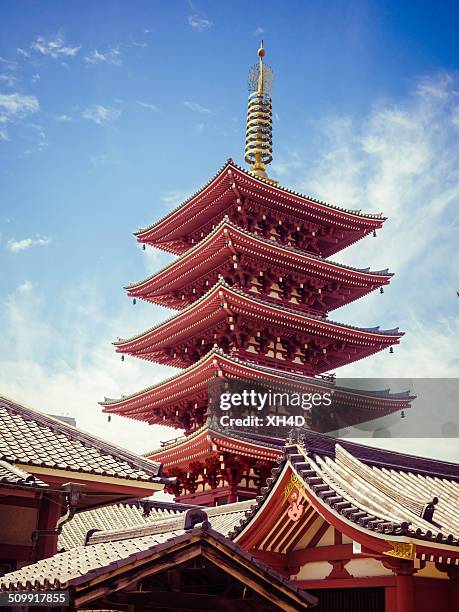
(252, 288)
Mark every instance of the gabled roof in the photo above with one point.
(362, 490)
(81, 568)
(226, 239)
(30, 438)
(230, 182)
(223, 299)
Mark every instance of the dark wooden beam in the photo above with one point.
(177, 600)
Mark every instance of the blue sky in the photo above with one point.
(113, 112)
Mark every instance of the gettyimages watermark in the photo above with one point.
(378, 408)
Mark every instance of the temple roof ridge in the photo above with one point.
(222, 284)
(226, 222)
(231, 164)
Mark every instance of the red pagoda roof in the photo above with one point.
(227, 240)
(206, 441)
(232, 183)
(222, 303)
(153, 403)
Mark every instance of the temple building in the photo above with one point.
(252, 287)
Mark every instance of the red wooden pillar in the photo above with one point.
(453, 574)
(405, 591)
(390, 599)
(49, 514)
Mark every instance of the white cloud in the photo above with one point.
(102, 115)
(34, 78)
(70, 356)
(22, 52)
(24, 287)
(9, 80)
(21, 245)
(259, 30)
(63, 118)
(17, 105)
(148, 105)
(197, 108)
(13, 107)
(112, 56)
(54, 47)
(199, 24)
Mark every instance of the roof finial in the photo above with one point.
(259, 146)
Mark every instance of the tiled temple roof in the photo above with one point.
(28, 437)
(221, 284)
(11, 475)
(119, 521)
(382, 491)
(116, 516)
(226, 222)
(230, 163)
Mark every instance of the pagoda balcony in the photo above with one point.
(276, 273)
(246, 326)
(260, 207)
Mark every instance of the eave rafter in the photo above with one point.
(250, 327)
(192, 220)
(261, 265)
(181, 401)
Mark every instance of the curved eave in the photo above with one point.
(224, 180)
(227, 238)
(206, 441)
(212, 304)
(373, 530)
(193, 379)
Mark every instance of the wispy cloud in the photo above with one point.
(13, 107)
(197, 108)
(102, 115)
(22, 52)
(199, 24)
(35, 78)
(15, 246)
(54, 47)
(9, 80)
(149, 106)
(258, 31)
(63, 118)
(24, 287)
(112, 56)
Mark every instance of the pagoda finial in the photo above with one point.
(259, 144)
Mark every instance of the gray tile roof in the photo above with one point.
(28, 437)
(11, 475)
(121, 521)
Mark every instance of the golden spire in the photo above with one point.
(258, 144)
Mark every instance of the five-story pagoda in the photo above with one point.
(252, 287)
